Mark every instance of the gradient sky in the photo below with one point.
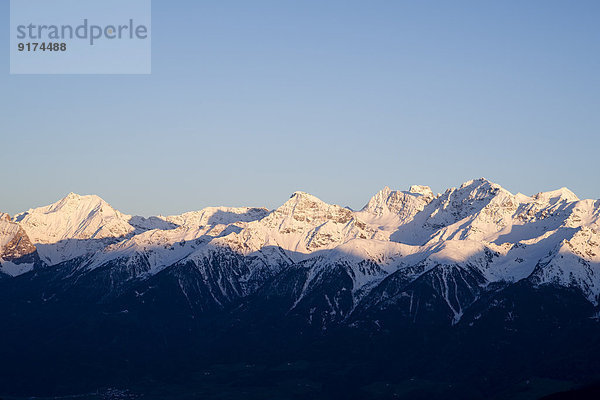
(249, 101)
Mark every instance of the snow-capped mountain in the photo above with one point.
(475, 273)
(325, 259)
(80, 225)
(304, 224)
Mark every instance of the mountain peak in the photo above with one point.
(479, 182)
(72, 196)
(478, 189)
(303, 206)
(77, 197)
(554, 196)
(402, 205)
(386, 191)
(303, 195)
(422, 190)
(302, 200)
(71, 221)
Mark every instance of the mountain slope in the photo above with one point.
(73, 227)
(461, 241)
(476, 286)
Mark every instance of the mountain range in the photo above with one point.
(475, 286)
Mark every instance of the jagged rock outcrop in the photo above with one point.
(17, 254)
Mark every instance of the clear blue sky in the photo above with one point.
(251, 100)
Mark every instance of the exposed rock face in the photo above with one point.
(302, 225)
(17, 253)
(19, 247)
(401, 207)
